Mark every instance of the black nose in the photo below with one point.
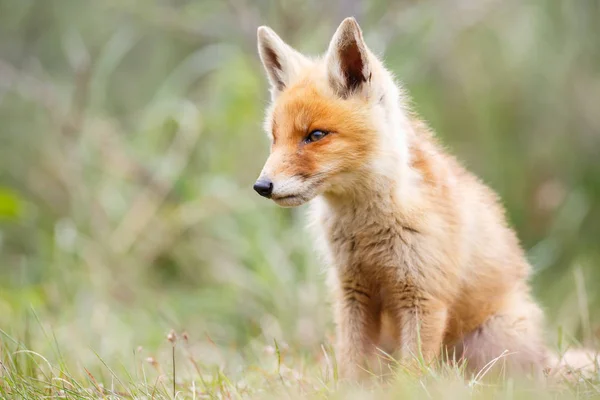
(264, 187)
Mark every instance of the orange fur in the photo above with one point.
(421, 256)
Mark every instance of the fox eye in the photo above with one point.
(315, 135)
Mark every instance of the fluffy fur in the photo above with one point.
(422, 259)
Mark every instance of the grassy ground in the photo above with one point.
(130, 136)
(177, 369)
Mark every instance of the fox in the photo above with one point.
(421, 259)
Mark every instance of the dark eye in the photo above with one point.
(315, 135)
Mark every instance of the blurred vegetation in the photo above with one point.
(131, 134)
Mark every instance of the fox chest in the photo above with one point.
(391, 256)
(373, 249)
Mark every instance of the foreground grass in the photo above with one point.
(177, 369)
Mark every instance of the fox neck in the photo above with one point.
(388, 179)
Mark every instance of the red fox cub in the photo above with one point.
(419, 248)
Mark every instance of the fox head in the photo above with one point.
(334, 122)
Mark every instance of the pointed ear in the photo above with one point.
(281, 61)
(348, 59)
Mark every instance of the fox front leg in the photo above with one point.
(358, 326)
(422, 333)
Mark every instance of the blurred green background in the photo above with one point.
(131, 135)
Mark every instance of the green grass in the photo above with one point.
(130, 136)
(177, 369)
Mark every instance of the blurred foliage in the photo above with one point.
(131, 134)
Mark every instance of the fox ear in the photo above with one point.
(281, 61)
(348, 59)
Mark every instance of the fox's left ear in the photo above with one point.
(347, 59)
(282, 63)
